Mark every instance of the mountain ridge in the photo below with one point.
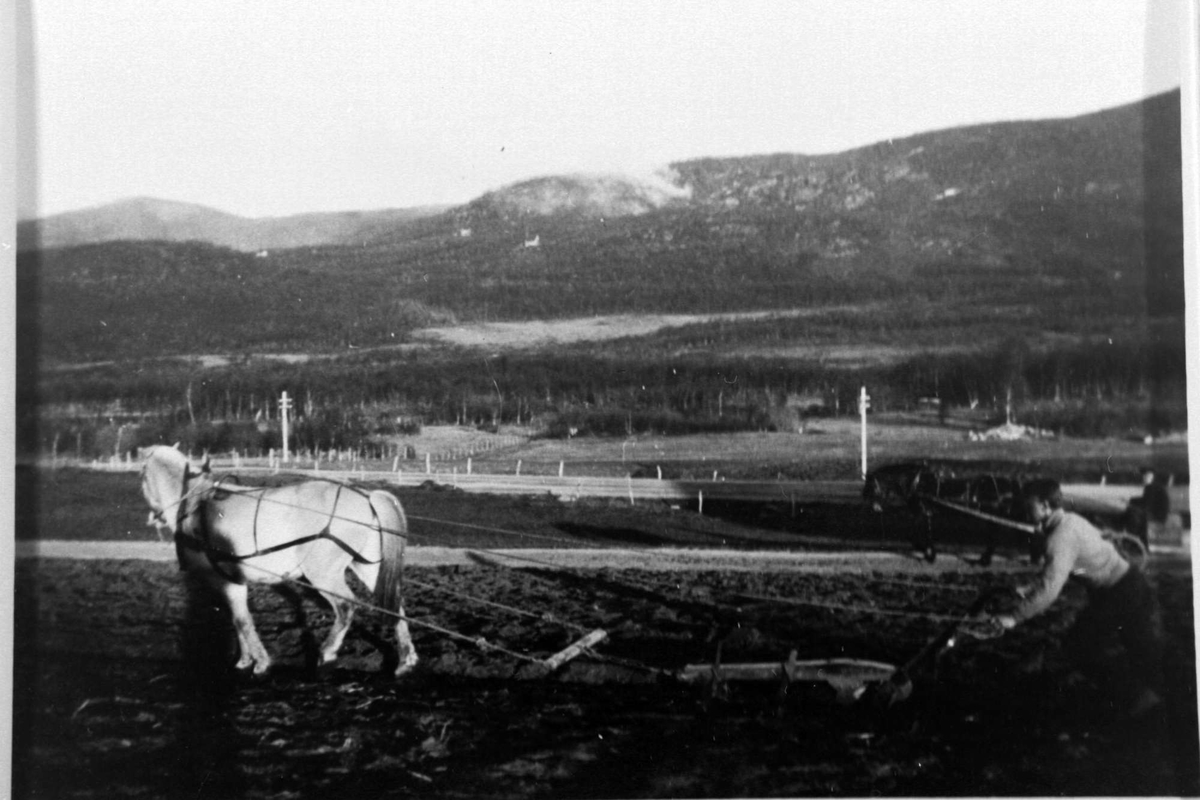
(806, 182)
(156, 219)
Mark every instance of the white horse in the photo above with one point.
(314, 529)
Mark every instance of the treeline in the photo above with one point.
(1093, 388)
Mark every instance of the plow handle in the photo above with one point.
(899, 686)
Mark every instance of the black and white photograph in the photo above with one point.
(616, 400)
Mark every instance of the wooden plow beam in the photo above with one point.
(849, 677)
(560, 658)
(563, 656)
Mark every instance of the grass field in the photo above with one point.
(77, 504)
(830, 449)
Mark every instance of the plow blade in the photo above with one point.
(849, 677)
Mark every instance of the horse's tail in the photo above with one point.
(393, 527)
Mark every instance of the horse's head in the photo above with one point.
(895, 483)
(169, 481)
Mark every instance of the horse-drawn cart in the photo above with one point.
(924, 491)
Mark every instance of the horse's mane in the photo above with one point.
(165, 451)
(166, 457)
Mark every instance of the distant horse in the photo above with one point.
(893, 484)
(999, 495)
(921, 489)
(314, 529)
(903, 486)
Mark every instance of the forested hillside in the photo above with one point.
(1053, 214)
(1053, 247)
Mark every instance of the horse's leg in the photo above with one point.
(406, 650)
(244, 659)
(330, 581)
(404, 644)
(924, 524)
(252, 651)
(343, 614)
(222, 587)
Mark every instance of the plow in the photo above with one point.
(875, 684)
(922, 489)
(843, 681)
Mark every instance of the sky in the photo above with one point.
(277, 107)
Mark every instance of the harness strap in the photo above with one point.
(209, 549)
(217, 557)
(257, 511)
(216, 554)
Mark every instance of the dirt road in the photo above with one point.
(660, 559)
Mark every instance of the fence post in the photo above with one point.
(864, 402)
(700, 509)
(285, 404)
(518, 466)
(560, 469)
(428, 471)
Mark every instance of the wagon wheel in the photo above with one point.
(925, 546)
(928, 542)
(1131, 548)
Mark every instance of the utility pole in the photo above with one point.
(285, 403)
(864, 402)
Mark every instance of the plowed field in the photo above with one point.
(124, 689)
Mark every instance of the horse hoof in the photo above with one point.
(407, 665)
